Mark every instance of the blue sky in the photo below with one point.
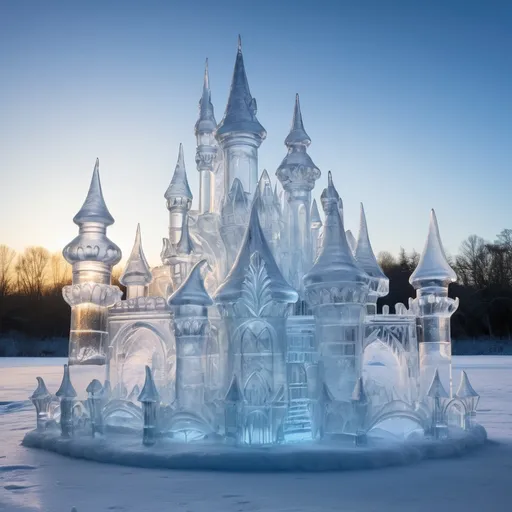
(408, 103)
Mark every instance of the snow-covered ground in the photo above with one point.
(34, 480)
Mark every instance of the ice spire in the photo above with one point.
(297, 133)
(351, 240)
(316, 221)
(94, 208)
(436, 389)
(465, 388)
(192, 291)
(66, 389)
(185, 244)
(206, 122)
(433, 265)
(364, 253)
(179, 184)
(41, 390)
(359, 393)
(240, 115)
(264, 182)
(335, 261)
(254, 241)
(149, 393)
(137, 271)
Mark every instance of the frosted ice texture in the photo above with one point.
(260, 326)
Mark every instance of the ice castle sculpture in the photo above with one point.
(260, 326)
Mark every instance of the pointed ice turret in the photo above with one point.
(179, 188)
(66, 389)
(192, 291)
(240, 114)
(297, 133)
(185, 244)
(234, 393)
(433, 309)
(465, 388)
(94, 208)
(379, 282)
(254, 241)
(335, 262)
(206, 149)
(352, 242)
(149, 393)
(137, 274)
(240, 134)
(206, 122)
(433, 265)
(359, 393)
(436, 389)
(316, 221)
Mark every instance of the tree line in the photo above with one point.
(31, 282)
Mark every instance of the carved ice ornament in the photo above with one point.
(103, 295)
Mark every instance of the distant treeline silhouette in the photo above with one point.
(32, 307)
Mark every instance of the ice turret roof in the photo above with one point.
(94, 387)
(433, 265)
(364, 253)
(465, 388)
(316, 221)
(297, 133)
(236, 197)
(94, 208)
(436, 389)
(359, 393)
(137, 271)
(179, 184)
(149, 392)
(206, 122)
(41, 391)
(192, 290)
(66, 389)
(335, 261)
(254, 241)
(240, 114)
(185, 244)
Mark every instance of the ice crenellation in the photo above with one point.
(260, 326)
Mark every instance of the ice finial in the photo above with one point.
(94, 208)
(364, 253)
(359, 393)
(240, 114)
(41, 390)
(351, 241)
(185, 244)
(149, 393)
(95, 387)
(316, 221)
(465, 388)
(137, 271)
(179, 183)
(206, 122)
(254, 241)
(234, 393)
(335, 261)
(436, 389)
(264, 182)
(433, 265)
(192, 291)
(297, 133)
(66, 389)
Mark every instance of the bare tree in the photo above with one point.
(386, 260)
(31, 270)
(473, 262)
(7, 256)
(59, 272)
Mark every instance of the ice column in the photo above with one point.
(379, 283)
(337, 290)
(297, 174)
(179, 199)
(191, 328)
(137, 274)
(433, 309)
(206, 150)
(67, 395)
(239, 133)
(254, 301)
(92, 256)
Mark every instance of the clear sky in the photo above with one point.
(407, 102)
